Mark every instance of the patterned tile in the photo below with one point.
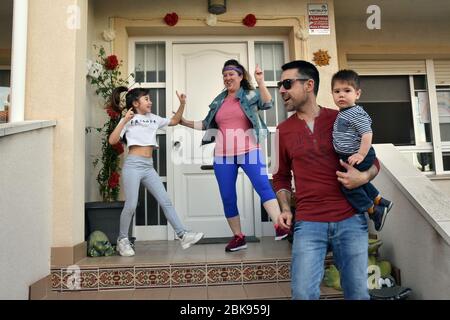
(118, 278)
(284, 270)
(56, 279)
(152, 277)
(224, 274)
(193, 275)
(89, 279)
(261, 272)
(79, 279)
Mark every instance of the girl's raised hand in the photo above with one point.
(129, 115)
(181, 97)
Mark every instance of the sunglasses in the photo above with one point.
(287, 83)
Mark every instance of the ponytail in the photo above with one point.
(115, 98)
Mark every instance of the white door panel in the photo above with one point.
(197, 71)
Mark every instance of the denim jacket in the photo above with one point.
(250, 102)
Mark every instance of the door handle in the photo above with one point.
(207, 167)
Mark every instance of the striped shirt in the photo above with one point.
(349, 126)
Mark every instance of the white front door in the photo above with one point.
(197, 71)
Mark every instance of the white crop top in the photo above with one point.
(141, 129)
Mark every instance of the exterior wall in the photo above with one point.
(26, 205)
(416, 235)
(401, 35)
(145, 18)
(56, 89)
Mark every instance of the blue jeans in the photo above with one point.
(361, 198)
(349, 241)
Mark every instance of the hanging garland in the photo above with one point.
(250, 20)
(171, 19)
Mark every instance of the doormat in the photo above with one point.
(225, 240)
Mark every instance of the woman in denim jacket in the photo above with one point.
(234, 124)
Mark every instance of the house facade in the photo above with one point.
(46, 155)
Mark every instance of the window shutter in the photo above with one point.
(442, 72)
(388, 67)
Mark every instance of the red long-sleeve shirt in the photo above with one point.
(313, 161)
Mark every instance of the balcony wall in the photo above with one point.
(26, 174)
(416, 236)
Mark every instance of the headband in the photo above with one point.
(237, 69)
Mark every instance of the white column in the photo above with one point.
(19, 59)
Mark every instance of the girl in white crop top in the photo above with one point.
(138, 129)
(139, 125)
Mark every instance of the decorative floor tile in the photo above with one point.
(154, 277)
(75, 279)
(193, 275)
(56, 279)
(89, 279)
(116, 278)
(284, 270)
(261, 272)
(224, 274)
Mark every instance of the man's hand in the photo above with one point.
(353, 178)
(285, 219)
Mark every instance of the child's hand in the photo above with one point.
(355, 159)
(181, 97)
(129, 115)
(259, 75)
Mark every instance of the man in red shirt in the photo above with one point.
(323, 218)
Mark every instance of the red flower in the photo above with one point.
(111, 113)
(118, 147)
(249, 20)
(171, 19)
(111, 62)
(113, 180)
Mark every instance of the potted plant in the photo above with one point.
(104, 215)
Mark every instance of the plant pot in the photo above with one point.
(105, 217)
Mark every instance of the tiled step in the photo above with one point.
(164, 265)
(259, 291)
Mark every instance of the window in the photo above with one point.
(4, 94)
(400, 112)
(150, 72)
(387, 100)
(270, 57)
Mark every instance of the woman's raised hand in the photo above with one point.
(259, 74)
(181, 97)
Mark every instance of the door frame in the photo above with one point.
(157, 232)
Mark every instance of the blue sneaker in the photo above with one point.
(386, 203)
(379, 216)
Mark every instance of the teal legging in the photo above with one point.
(226, 169)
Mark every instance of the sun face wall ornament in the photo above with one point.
(321, 58)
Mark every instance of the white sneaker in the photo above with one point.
(190, 238)
(124, 248)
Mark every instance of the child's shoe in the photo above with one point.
(190, 238)
(124, 248)
(378, 216)
(386, 203)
